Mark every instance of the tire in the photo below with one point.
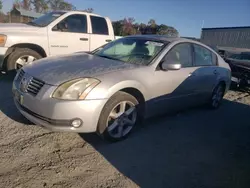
(217, 96)
(19, 53)
(103, 127)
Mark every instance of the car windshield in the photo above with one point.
(131, 50)
(46, 19)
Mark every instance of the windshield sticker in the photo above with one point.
(154, 43)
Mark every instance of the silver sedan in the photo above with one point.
(111, 89)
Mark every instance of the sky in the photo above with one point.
(187, 16)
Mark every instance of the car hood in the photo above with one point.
(17, 27)
(59, 69)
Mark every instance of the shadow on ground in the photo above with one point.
(7, 105)
(199, 148)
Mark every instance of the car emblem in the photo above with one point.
(24, 84)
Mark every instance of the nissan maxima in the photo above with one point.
(111, 89)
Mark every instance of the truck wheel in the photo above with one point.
(20, 57)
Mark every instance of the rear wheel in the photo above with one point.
(21, 57)
(217, 96)
(118, 117)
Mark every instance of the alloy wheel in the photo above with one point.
(121, 119)
(217, 96)
(24, 60)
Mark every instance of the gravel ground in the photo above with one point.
(197, 148)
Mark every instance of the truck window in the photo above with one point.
(76, 23)
(99, 25)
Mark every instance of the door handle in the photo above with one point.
(84, 39)
(108, 40)
(215, 72)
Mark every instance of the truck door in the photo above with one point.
(102, 32)
(69, 35)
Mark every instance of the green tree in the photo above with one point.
(152, 23)
(117, 25)
(40, 5)
(167, 30)
(60, 5)
(1, 5)
(24, 4)
(128, 27)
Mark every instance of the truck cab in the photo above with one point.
(55, 33)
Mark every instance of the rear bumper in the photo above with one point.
(3, 51)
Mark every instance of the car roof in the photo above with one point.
(163, 38)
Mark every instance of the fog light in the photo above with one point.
(76, 123)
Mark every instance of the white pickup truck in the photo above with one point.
(54, 33)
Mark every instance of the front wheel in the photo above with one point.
(118, 117)
(21, 57)
(217, 96)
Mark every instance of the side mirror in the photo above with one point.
(170, 66)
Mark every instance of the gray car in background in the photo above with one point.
(111, 89)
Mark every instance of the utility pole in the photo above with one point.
(202, 25)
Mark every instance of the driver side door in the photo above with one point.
(73, 37)
(174, 90)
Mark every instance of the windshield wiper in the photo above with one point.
(108, 57)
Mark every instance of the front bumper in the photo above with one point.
(3, 51)
(57, 115)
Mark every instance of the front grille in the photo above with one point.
(34, 86)
(20, 76)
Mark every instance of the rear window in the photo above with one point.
(99, 25)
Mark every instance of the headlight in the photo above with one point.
(3, 39)
(76, 89)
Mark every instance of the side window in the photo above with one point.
(203, 56)
(74, 24)
(181, 54)
(99, 25)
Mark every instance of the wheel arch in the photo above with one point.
(131, 87)
(31, 46)
(222, 81)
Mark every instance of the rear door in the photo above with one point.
(69, 35)
(206, 63)
(100, 32)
